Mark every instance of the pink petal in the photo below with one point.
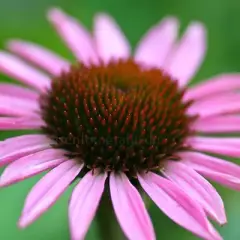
(16, 68)
(15, 106)
(224, 146)
(46, 192)
(11, 123)
(215, 105)
(75, 36)
(17, 147)
(221, 171)
(197, 188)
(84, 202)
(157, 43)
(218, 124)
(40, 56)
(188, 55)
(18, 91)
(129, 208)
(31, 165)
(219, 84)
(111, 42)
(178, 206)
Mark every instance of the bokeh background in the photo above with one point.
(26, 19)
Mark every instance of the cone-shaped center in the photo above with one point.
(116, 116)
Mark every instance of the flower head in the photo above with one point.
(130, 124)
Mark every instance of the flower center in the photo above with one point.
(116, 116)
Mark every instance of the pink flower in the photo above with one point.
(84, 112)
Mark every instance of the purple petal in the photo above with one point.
(16, 68)
(9, 89)
(223, 145)
(217, 124)
(15, 106)
(221, 171)
(188, 55)
(31, 165)
(75, 36)
(17, 147)
(46, 192)
(84, 202)
(216, 85)
(111, 42)
(40, 56)
(215, 105)
(157, 43)
(11, 123)
(129, 208)
(178, 206)
(198, 189)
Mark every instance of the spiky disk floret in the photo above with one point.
(116, 116)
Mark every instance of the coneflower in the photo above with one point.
(121, 124)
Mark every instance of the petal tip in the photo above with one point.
(171, 20)
(3, 54)
(4, 182)
(103, 18)
(102, 15)
(219, 215)
(22, 223)
(222, 221)
(12, 44)
(54, 14)
(197, 28)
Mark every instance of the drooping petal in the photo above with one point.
(129, 208)
(17, 147)
(46, 192)
(12, 123)
(75, 36)
(84, 202)
(217, 85)
(16, 68)
(111, 42)
(221, 171)
(188, 54)
(223, 146)
(40, 56)
(197, 188)
(31, 165)
(215, 105)
(15, 106)
(157, 43)
(178, 206)
(18, 91)
(218, 124)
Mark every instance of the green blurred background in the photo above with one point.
(26, 19)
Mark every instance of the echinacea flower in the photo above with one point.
(122, 125)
